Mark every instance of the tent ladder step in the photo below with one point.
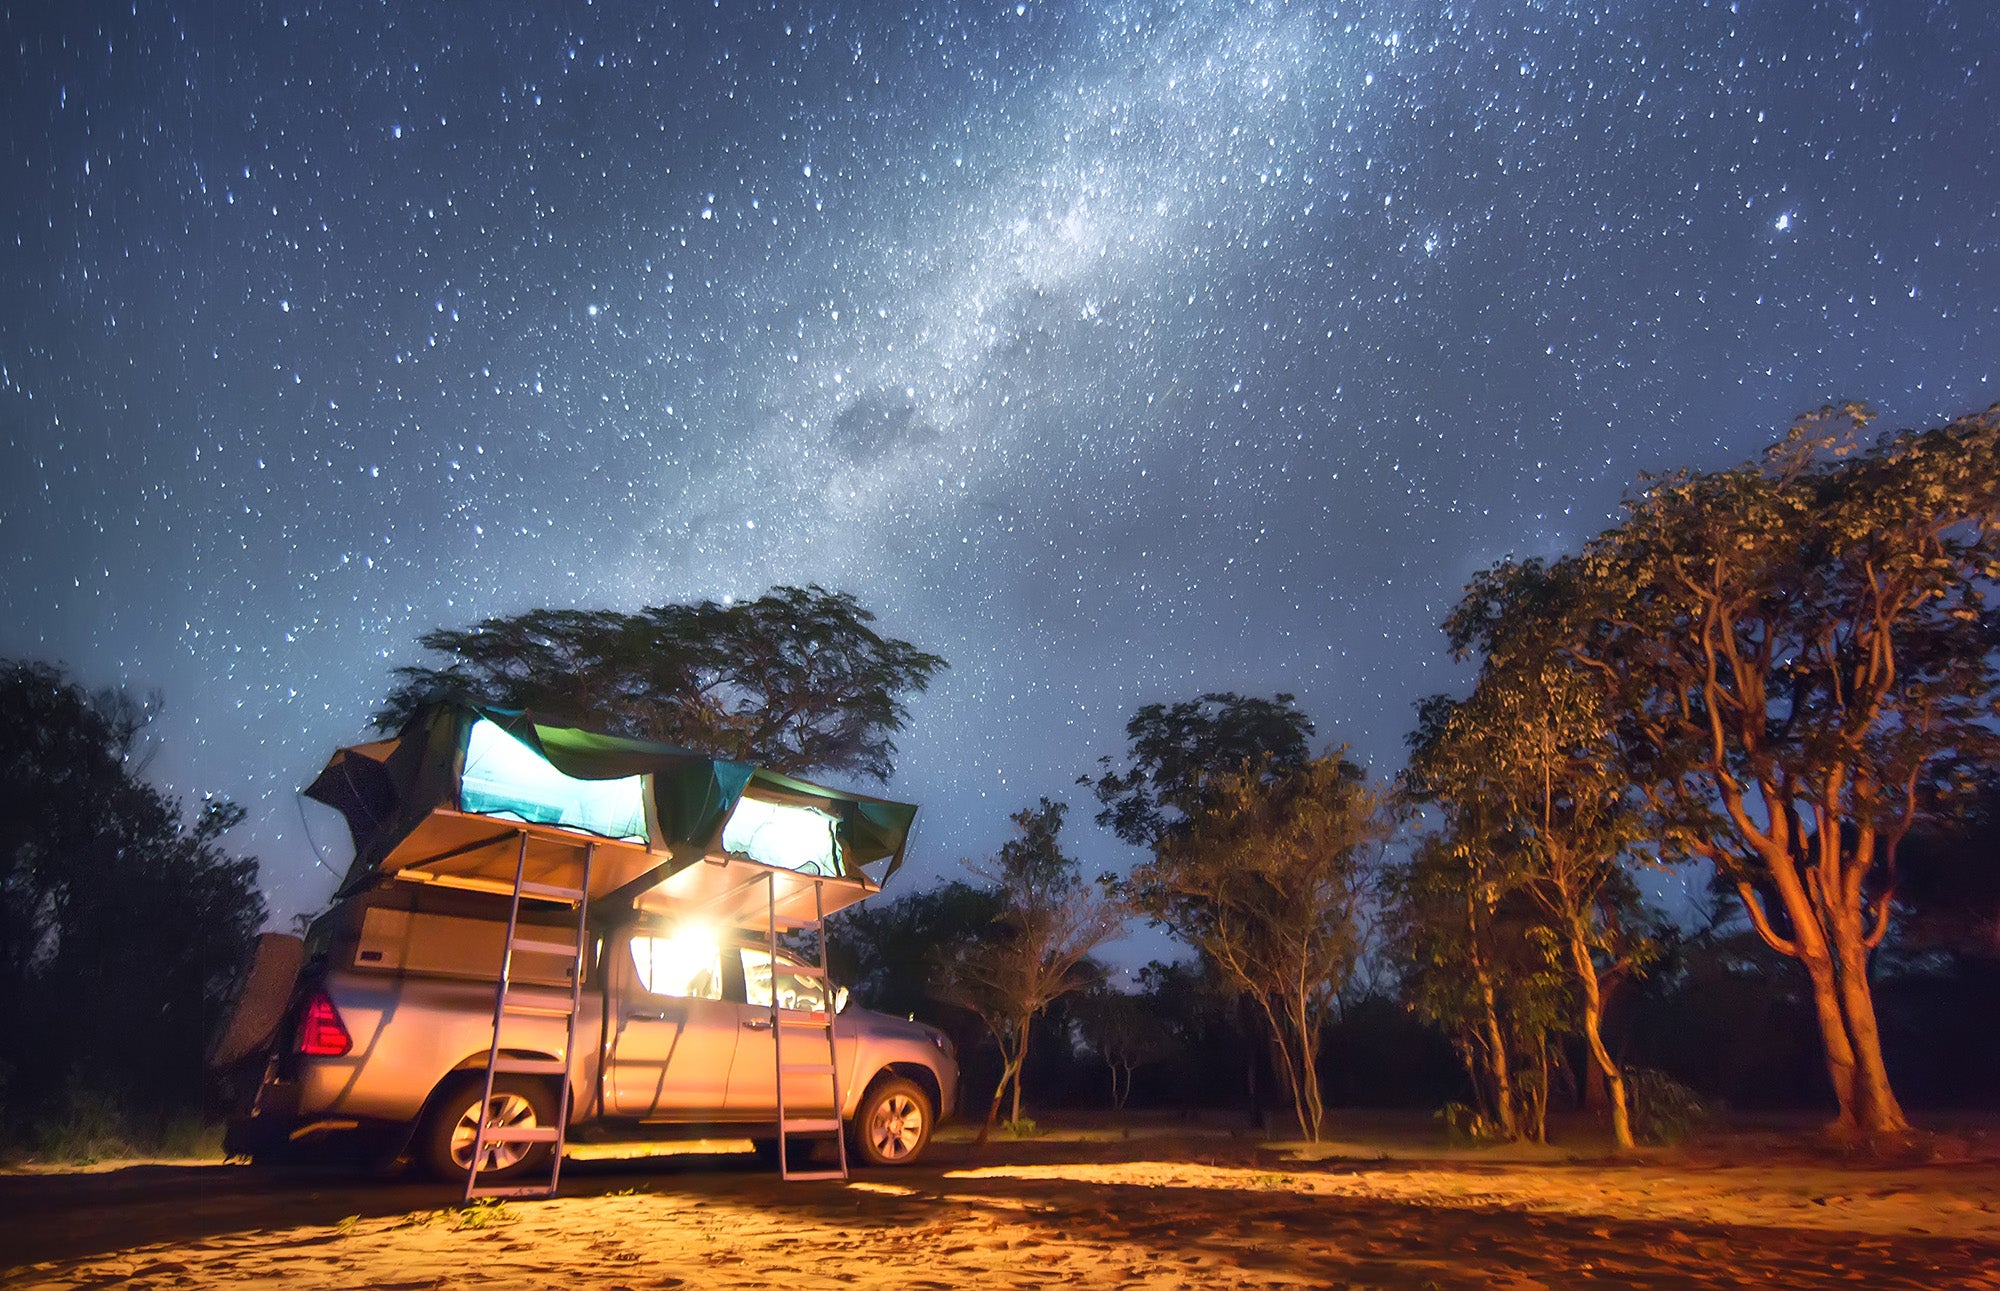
(490, 1139)
(823, 1022)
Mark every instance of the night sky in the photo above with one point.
(1115, 352)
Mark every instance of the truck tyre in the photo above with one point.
(444, 1140)
(892, 1126)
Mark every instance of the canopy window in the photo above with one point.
(504, 777)
(789, 837)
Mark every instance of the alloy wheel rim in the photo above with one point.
(503, 1111)
(896, 1127)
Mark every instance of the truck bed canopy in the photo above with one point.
(456, 795)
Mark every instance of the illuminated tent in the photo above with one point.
(454, 797)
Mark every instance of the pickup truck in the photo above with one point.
(387, 1038)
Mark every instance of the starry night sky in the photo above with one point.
(1116, 352)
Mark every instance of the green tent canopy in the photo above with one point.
(461, 793)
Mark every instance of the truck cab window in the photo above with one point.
(793, 992)
(684, 967)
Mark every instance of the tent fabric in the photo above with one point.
(388, 789)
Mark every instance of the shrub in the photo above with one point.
(1468, 1124)
(1664, 1111)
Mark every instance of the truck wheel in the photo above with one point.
(444, 1141)
(893, 1124)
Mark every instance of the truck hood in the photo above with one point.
(887, 1026)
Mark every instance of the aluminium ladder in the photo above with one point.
(822, 1022)
(490, 1134)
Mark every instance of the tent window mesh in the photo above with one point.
(504, 777)
(788, 837)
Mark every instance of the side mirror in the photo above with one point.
(840, 999)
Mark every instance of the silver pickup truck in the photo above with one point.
(387, 1038)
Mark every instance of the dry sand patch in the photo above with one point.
(1094, 1223)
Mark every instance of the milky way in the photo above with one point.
(1117, 353)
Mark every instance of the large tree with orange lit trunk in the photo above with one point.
(1800, 657)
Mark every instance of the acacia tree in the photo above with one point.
(1530, 754)
(1050, 920)
(1800, 656)
(795, 680)
(1266, 881)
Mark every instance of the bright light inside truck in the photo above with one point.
(684, 964)
(504, 777)
(791, 838)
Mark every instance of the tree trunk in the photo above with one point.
(1540, 1112)
(1593, 1034)
(1309, 1072)
(1010, 1069)
(1496, 1060)
(1286, 1063)
(1020, 1062)
(1876, 1109)
(1808, 946)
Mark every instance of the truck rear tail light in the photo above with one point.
(321, 1032)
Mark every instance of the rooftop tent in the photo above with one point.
(450, 799)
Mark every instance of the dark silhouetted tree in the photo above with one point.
(1125, 1031)
(123, 925)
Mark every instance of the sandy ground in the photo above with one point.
(1156, 1210)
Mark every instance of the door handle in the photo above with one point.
(633, 1015)
(757, 1024)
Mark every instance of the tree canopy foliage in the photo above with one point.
(123, 924)
(795, 680)
(1798, 658)
(1172, 748)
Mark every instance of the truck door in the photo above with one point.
(672, 1033)
(753, 1076)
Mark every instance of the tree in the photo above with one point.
(1530, 756)
(1472, 957)
(1199, 1016)
(1800, 657)
(1125, 1031)
(1049, 922)
(123, 924)
(1265, 880)
(886, 951)
(1175, 747)
(1948, 879)
(795, 680)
